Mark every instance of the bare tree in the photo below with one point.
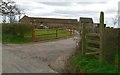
(115, 20)
(9, 9)
(3, 10)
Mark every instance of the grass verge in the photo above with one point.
(15, 39)
(89, 64)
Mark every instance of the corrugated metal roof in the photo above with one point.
(86, 20)
(50, 20)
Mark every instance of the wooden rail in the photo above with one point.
(93, 34)
(93, 41)
(56, 34)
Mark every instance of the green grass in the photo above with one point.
(15, 39)
(41, 35)
(89, 64)
(49, 31)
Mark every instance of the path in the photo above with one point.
(35, 57)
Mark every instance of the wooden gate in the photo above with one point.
(50, 34)
(92, 42)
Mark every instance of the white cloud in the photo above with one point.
(69, 8)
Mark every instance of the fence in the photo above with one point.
(49, 34)
(97, 42)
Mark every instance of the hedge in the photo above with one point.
(16, 29)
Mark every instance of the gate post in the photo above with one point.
(56, 33)
(102, 54)
(83, 39)
(70, 31)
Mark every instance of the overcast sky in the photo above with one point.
(69, 8)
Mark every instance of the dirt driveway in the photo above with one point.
(36, 57)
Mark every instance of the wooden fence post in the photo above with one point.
(101, 37)
(70, 32)
(83, 38)
(56, 33)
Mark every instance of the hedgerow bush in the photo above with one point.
(16, 29)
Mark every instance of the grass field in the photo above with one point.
(41, 35)
(50, 34)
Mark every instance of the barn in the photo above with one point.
(50, 22)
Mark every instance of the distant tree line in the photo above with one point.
(9, 9)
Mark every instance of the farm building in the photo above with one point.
(50, 22)
(90, 26)
(85, 20)
(98, 24)
(89, 21)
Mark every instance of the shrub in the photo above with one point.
(23, 29)
(7, 29)
(16, 29)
